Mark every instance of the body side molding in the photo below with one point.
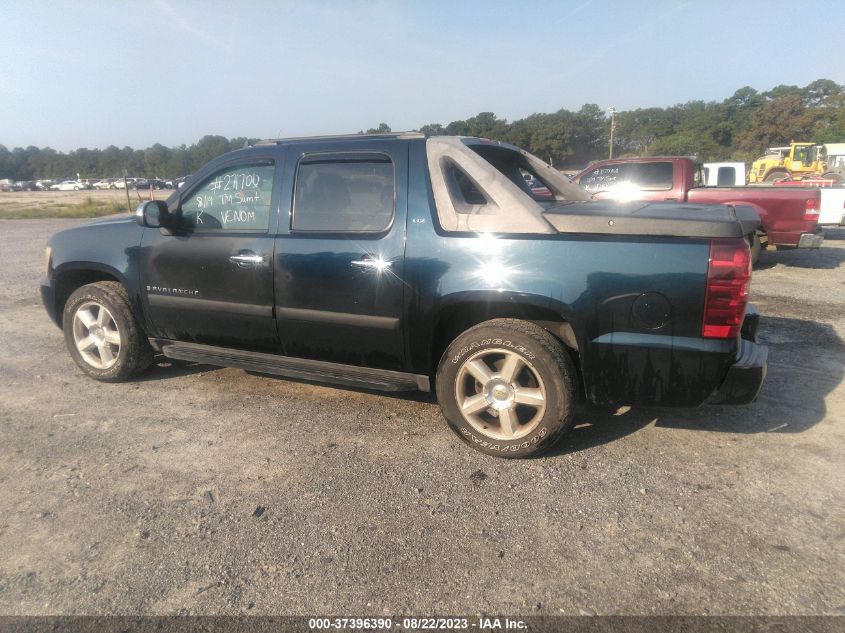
(179, 302)
(338, 318)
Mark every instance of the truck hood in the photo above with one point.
(123, 218)
(652, 218)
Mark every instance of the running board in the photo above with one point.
(321, 371)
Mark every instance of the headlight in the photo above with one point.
(48, 253)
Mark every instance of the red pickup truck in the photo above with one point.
(789, 217)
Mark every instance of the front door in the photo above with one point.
(340, 254)
(210, 279)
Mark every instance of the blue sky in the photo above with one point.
(91, 74)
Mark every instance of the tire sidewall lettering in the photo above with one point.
(500, 447)
(492, 342)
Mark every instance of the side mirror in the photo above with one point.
(152, 214)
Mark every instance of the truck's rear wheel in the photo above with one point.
(102, 335)
(507, 388)
(756, 248)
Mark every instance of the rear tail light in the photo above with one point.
(811, 209)
(728, 278)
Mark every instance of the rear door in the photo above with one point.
(210, 280)
(340, 252)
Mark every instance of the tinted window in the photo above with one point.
(651, 176)
(462, 188)
(516, 168)
(725, 177)
(337, 193)
(235, 199)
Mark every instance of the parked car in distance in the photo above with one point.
(146, 183)
(43, 185)
(121, 183)
(400, 262)
(724, 174)
(70, 185)
(537, 188)
(788, 218)
(105, 183)
(178, 182)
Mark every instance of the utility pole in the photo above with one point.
(126, 187)
(612, 111)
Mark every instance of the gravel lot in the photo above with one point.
(34, 204)
(202, 490)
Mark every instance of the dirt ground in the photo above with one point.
(202, 490)
(13, 203)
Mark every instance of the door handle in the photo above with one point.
(372, 264)
(246, 259)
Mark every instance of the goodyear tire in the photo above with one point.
(102, 335)
(507, 388)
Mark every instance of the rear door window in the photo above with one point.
(344, 193)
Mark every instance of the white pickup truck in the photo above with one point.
(832, 206)
(724, 174)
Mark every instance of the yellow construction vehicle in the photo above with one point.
(793, 162)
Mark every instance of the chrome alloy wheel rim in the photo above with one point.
(95, 335)
(500, 394)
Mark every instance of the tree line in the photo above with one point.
(739, 128)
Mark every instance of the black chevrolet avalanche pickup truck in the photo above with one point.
(401, 262)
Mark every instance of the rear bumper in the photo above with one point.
(810, 240)
(807, 237)
(745, 377)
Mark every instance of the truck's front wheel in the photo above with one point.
(507, 388)
(102, 335)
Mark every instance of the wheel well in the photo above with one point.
(452, 321)
(69, 281)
